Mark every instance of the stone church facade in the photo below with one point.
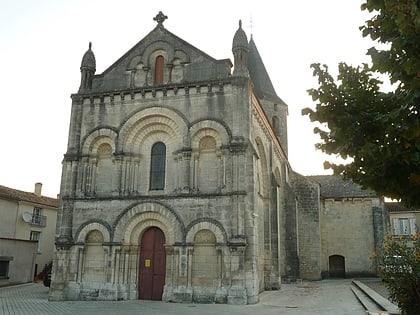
(176, 184)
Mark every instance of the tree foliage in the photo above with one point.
(379, 131)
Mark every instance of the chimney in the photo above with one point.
(38, 189)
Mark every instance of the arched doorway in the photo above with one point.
(337, 266)
(152, 265)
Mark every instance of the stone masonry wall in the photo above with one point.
(308, 227)
(341, 224)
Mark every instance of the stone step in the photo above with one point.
(368, 304)
(373, 302)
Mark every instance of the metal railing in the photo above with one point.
(39, 220)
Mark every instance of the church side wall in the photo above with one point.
(308, 227)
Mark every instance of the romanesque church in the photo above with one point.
(176, 184)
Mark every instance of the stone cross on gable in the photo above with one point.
(160, 18)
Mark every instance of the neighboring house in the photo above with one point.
(176, 184)
(17, 261)
(27, 216)
(353, 226)
(404, 221)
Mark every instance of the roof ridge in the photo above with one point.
(20, 195)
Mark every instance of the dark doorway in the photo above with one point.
(337, 266)
(152, 265)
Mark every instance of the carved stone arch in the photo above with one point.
(89, 226)
(264, 166)
(142, 222)
(157, 48)
(142, 120)
(125, 224)
(132, 64)
(181, 55)
(158, 136)
(209, 128)
(153, 131)
(206, 132)
(98, 137)
(206, 224)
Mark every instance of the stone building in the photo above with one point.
(176, 183)
(404, 222)
(27, 233)
(353, 226)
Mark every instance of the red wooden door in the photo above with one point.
(152, 265)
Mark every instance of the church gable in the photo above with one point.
(160, 58)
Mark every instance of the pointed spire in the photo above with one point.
(88, 60)
(259, 75)
(240, 51)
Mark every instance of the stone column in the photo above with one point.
(220, 184)
(84, 174)
(194, 174)
(186, 161)
(80, 255)
(124, 175)
(118, 163)
(137, 175)
(93, 175)
(116, 265)
(170, 67)
(146, 73)
(170, 270)
(237, 292)
(190, 251)
(221, 291)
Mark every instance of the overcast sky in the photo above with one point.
(42, 43)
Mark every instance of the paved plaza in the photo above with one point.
(315, 298)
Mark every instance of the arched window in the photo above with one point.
(159, 69)
(157, 166)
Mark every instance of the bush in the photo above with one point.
(399, 269)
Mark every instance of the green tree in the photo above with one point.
(378, 131)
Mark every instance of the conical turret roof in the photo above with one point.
(239, 39)
(88, 60)
(259, 76)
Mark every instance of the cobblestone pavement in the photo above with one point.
(315, 298)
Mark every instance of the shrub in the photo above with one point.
(399, 269)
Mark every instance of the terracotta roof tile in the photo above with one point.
(19, 195)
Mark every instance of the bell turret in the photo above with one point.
(240, 51)
(87, 69)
